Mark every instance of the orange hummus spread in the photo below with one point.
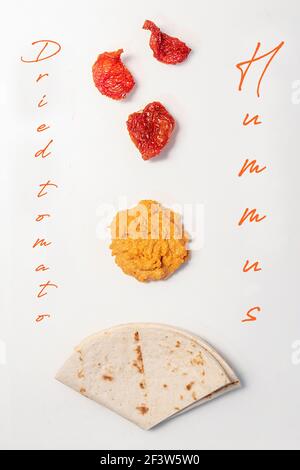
(148, 241)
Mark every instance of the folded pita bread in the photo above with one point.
(147, 373)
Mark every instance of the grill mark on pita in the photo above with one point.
(178, 344)
(79, 352)
(189, 386)
(138, 363)
(107, 377)
(80, 372)
(143, 409)
(194, 396)
(197, 360)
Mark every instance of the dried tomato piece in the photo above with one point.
(111, 77)
(165, 48)
(150, 129)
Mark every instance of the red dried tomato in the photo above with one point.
(166, 48)
(150, 129)
(111, 77)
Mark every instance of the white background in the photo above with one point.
(94, 162)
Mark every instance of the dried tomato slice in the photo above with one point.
(166, 49)
(111, 77)
(150, 129)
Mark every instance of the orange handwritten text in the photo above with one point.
(42, 75)
(42, 317)
(44, 49)
(41, 217)
(40, 57)
(252, 167)
(41, 242)
(255, 266)
(42, 102)
(41, 267)
(249, 316)
(252, 216)
(254, 59)
(44, 288)
(42, 127)
(254, 119)
(42, 192)
(43, 151)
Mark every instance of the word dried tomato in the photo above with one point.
(151, 129)
(165, 48)
(111, 77)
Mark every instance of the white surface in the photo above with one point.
(94, 162)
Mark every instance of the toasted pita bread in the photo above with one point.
(146, 372)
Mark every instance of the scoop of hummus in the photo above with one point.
(148, 241)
